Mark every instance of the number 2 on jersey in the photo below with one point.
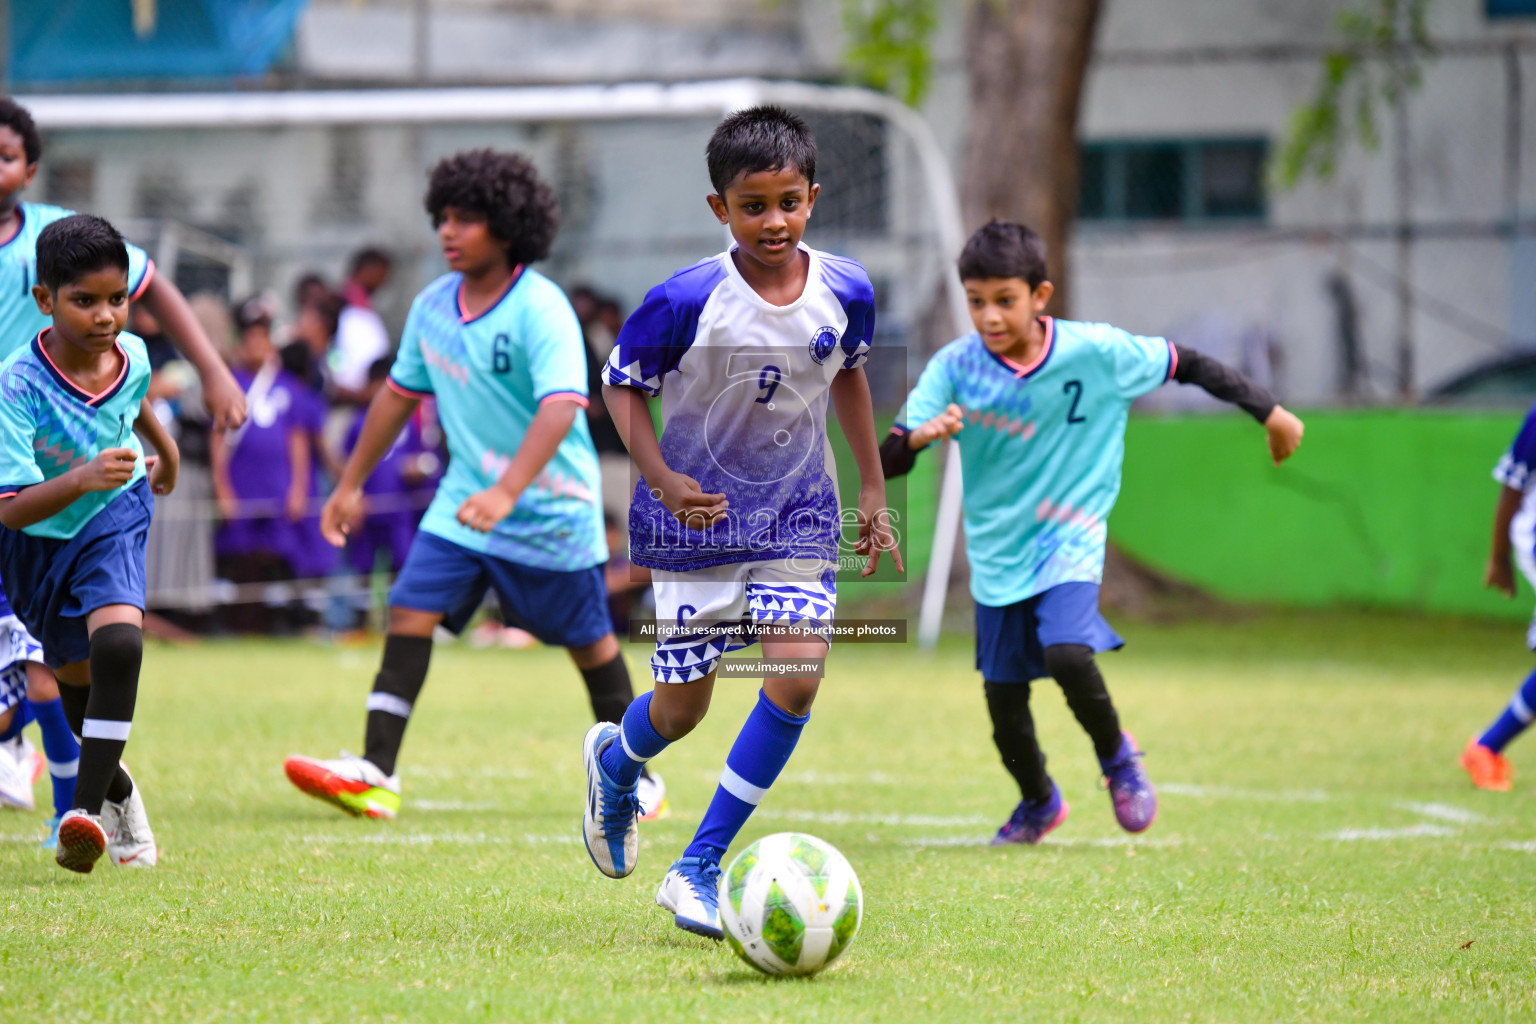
(1075, 389)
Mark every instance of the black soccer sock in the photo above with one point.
(395, 690)
(609, 689)
(1074, 669)
(117, 651)
(75, 699)
(1013, 730)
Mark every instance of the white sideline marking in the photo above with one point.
(445, 838)
(485, 772)
(1423, 831)
(814, 778)
(1445, 812)
(450, 805)
(844, 818)
(1289, 796)
(1518, 845)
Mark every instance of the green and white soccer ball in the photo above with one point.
(790, 904)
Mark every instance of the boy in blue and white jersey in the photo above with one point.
(1038, 406)
(519, 509)
(75, 504)
(737, 511)
(1514, 540)
(21, 223)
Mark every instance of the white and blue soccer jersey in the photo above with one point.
(19, 316)
(744, 393)
(1041, 449)
(49, 425)
(490, 374)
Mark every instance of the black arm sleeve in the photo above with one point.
(1223, 382)
(896, 457)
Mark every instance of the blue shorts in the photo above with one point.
(1011, 641)
(54, 584)
(562, 609)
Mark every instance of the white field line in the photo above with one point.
(450, 805)
(1446, 812)
(1518, 845)
(483, 772)
(1283, 796)
(814, 778)
(440, 838)
(1111, 841)
(1421, 831)
(844, 818)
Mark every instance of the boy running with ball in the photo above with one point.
(518, 510)
(75, 503)
(737, 511)
(1038, 406)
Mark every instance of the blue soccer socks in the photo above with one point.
(62, 751)
(638, 743)
(760, 752)
(1516, 717)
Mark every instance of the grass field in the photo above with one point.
(1318, 856)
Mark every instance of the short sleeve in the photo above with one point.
(141, 271)
(850, 283)
(1514, 469)
(1139, 364)
(934, 392)
(648, 346)
(408, 374)
(556, 350)
(18, 466)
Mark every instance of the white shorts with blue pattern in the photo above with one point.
(730, 604)
(17, 647)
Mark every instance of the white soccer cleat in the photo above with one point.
(652, 794)
(17, 774)
(130, 841)
(691, 891)
(82, 841)
(354, 784)
(610, 821)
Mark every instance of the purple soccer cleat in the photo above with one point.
(1031, 821)
(1130, 789)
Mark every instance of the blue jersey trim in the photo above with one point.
(465, 318)
(69, 385)
(1026, 372)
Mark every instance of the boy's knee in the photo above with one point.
(116, 648)
(1068, 663)
(676, 717)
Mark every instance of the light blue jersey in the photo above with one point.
(1041, 450)
(19, 316)
(490, 374)
(49, 425)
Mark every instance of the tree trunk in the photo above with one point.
(1027, 61)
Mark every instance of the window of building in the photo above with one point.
(1173, 180)
(1512, 8)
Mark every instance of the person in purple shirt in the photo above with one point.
(263, 472)
(392, 508)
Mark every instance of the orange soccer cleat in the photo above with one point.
(1487, 769)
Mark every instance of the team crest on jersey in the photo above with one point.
(822, 344)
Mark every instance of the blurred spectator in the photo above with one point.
(310, 287)
(391, 510)
(628, 584)
(263, 475)
(361, 338)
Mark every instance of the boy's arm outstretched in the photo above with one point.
(678, 492)
(224, 398)
(1283, 428)
(856, 415)
(388, 414)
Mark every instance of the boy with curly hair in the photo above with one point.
(518, 510)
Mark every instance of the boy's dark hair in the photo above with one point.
(764, 138)
(368, 257)
(70, 248)
(19, 120)
(518, 206)
(1002, 248)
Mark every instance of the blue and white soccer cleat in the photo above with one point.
(691, 891)
(610, 822)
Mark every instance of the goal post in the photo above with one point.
(916, 259)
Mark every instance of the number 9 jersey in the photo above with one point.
(744, 394)
(489, 374)
(1041, 449)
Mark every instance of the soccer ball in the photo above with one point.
(790, 904)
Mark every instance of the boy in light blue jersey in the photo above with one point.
(1038, 406)
(519, 508)
(21, 223)
(75, 504)
(737, 512)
